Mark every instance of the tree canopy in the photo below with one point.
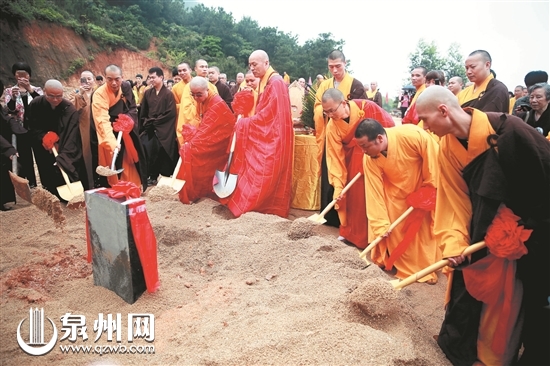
(180, 33)
(427, 55)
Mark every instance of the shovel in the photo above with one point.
(172, 182)
(226, 182)
(375, 242)
(399, 284)
(106, 171)
(69, 190)
(320, 217)
(21, 186)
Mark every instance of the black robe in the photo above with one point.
(494, 99)
(8, 125)
(62, 120)
(225, 92)
(516, 173)
(158, 118)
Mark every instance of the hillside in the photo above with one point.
(54, 51)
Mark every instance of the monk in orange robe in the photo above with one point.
(108, 101)
(470, 326)
(418, 80)
(345, 159)
(487, 93)
(187, 113)
(398, 162)
(205, 147)
(184, 72)
(352, 89)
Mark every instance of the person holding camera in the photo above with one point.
(17, 99)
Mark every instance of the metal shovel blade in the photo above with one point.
(68, 192)
(107, 172)
(21, 186)
(176, 185)
(225, 185)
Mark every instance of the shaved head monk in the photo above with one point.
(264, 148)
(187, 113)
(418, 80)
(485, 160)
(455, 84)
(351, 88)
(47, 114)
(205, 148)
(400, 162)
(487, 93)
(345, 160)
(108, 101)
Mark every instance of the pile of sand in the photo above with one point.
(234, 291)
(162, 193)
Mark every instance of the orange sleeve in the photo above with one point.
(102, 120)
(377, 211)
(319, 119)
(336, 160)
(453, 208)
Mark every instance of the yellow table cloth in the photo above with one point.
(306, 181)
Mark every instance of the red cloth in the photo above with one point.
(125, 124)
(491, 279)
(142, 231)
(243, 102)
(263, 155)
(205, 150)
(411, 116)
(49, 140)
(423, 201)
(356, 215)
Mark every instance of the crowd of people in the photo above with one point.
(462, 153)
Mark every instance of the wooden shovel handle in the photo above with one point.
(65, 177)
(437, 265)
(118, 141)
(346, 188)
(392, 226)
(176, 170)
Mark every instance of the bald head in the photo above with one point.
(198, 83)
(53, 84)
(441, 113)
(258, 63)
(431, 98)
(260, 55)
(333, 94)
(53, 91)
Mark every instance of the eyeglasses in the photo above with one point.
(332, 111)
(54, 96)
(196, 95)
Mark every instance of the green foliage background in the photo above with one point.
(180, 33)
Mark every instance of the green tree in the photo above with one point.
(427, 55)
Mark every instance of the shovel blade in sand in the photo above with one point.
(320, 217)
(21, 186)
(105, 170)
(225, 182)
(70, 190)
(172, 182)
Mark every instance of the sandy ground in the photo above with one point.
(257, 290)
